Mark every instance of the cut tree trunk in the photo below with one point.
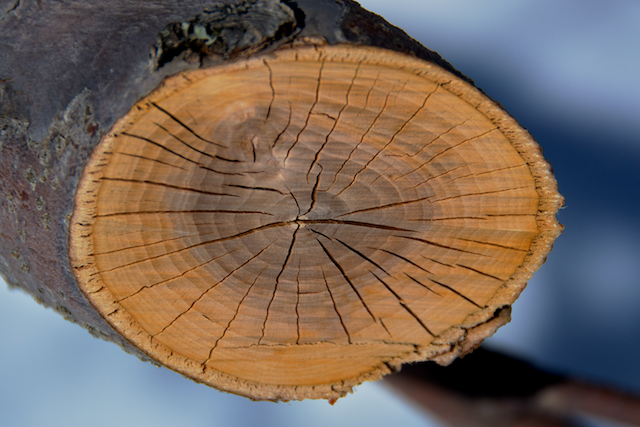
(279, 199)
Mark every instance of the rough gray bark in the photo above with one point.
(70, 69)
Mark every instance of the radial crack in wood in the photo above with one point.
(290, 225)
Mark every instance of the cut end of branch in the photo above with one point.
(291, 225)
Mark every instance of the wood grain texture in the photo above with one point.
(290, 225)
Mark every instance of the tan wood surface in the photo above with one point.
(309, 219)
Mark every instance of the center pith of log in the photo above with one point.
(303, 218)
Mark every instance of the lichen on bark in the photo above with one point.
(228, 29)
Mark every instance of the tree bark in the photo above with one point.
(71, 69)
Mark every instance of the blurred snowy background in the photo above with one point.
(569, 71)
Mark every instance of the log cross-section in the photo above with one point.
(307, 219)
(280, 199)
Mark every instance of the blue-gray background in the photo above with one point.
(568, 71)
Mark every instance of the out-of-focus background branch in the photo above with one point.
(568, 71)
(492, 389)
